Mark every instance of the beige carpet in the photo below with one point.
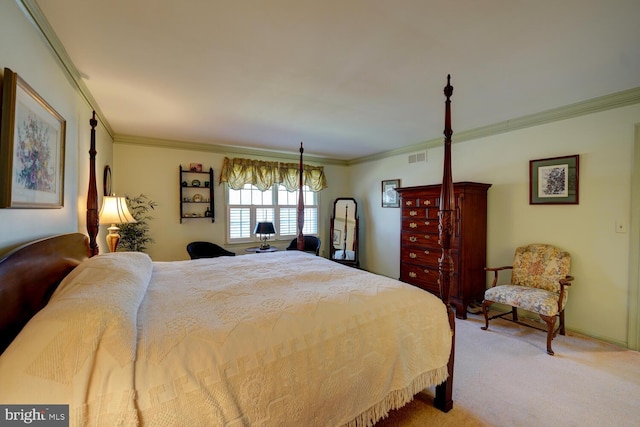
(503, 377)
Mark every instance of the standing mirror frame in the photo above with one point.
(344, 232)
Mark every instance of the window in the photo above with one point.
(248, 206)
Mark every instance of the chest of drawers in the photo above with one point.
(420, 248)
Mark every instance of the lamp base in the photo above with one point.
(264, 245)
(113, 238)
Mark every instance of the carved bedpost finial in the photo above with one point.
(448, 92)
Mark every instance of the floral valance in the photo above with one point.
(238, 172)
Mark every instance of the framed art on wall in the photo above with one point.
(554, 181)
(32, 140)
(337, 237)
(390, 197)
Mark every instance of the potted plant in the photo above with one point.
(135, 237)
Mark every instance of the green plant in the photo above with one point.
(134, 237)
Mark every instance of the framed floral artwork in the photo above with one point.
(32, 141)
(554, 181)
(390, 197)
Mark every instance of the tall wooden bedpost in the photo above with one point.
(92, 194)
(300, 241)
(444, 392)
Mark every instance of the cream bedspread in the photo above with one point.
(277, 339)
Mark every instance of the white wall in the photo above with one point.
(598, 300)
(154, 172)
(24, 51)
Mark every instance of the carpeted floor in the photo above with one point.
(503, 377)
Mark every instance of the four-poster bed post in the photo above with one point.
(444, 391)
(92, 193)
(300, 240)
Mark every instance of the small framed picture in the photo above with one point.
(337, 238)
(390, 198)
(195, 167)
(554, 181)
(32, 141)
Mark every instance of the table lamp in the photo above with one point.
(264, 229)
(114, 211)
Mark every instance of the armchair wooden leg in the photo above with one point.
(561, 330)
(485, 305)
(551, 324)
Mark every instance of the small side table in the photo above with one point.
(257, 250)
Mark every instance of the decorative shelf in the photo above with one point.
(189, 191)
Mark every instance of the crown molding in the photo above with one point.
(590, 106)
(222, 149)
(34, 14)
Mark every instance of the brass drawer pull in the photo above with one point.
(412, 275)
(413, 239)
(412, 255)
(427, 202)
(409, 203)
(427, 223)
(413, 225)
(413, 213)
(426, 252)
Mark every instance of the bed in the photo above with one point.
(285, 338)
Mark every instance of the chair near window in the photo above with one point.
(206, 250)
(311, 244)
(539, 278)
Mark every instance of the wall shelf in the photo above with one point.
(196, 194)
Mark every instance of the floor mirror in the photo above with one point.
(344, 231)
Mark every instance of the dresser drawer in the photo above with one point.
(423, 225)
(427, 257)
(423, 277)
(416, 238)
(417, 213)
(420, 200)
(428, 239)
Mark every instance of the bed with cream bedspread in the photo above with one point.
(277, 339)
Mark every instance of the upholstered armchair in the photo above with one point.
(539, 281)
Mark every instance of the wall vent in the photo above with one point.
(418, 157)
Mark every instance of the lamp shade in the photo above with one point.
(114, 211)
(264, 228)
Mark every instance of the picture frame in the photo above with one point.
(554, 181)
(337, 238)
(390, 197)
(195, 167)
(32, 148)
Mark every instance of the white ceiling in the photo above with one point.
(349, 78)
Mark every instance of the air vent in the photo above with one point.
(418, 157)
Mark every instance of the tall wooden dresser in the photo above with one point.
(420, 248)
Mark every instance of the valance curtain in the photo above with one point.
(238, 172)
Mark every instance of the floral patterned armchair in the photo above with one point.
(539, 282)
